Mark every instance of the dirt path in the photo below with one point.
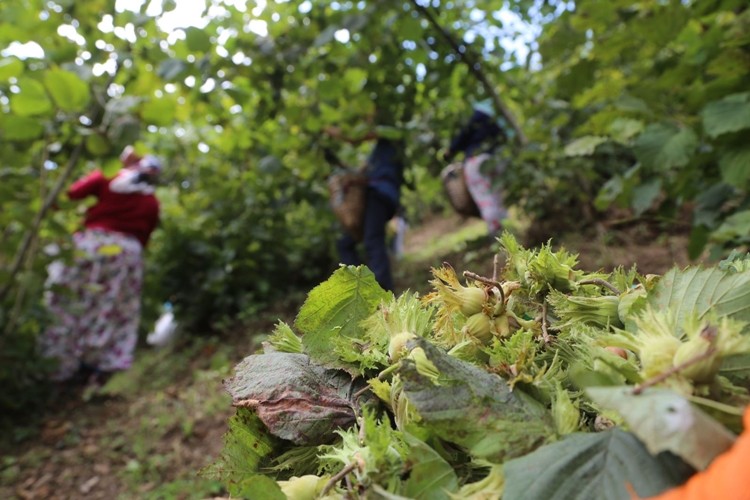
(146, 438)
(653, 250)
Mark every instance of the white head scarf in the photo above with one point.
(131, 179)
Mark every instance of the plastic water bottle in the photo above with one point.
(165, 329)
(398, 241)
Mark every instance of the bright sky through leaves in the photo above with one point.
(193, 13)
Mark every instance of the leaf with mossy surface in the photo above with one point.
(473, 408)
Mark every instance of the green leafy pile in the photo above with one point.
(542, 382)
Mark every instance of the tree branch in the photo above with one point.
(468, 58)
(602, 283)
(337, 477)
(49, 201)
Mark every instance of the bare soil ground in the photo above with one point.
(650, 249)
(163, 422)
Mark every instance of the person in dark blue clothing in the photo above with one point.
(385, 175)
(477, 140)
(481, 134)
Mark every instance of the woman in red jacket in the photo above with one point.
(97, 307)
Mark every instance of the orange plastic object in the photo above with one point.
(727, 478)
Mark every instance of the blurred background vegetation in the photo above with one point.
(631, 110)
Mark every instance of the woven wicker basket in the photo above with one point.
(458, 194)
(347, 198)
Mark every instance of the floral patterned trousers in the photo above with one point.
(484, 188)
(96, 303)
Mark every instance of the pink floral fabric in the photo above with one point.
(487, 193)
(96, 302)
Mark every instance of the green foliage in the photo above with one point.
(696, 291)
(530, 401)
(729, 114)
(665, 421)
(584, 466)
(334, 309)
(246, 447)
(658, 80)
(227, 248)
(431, 476)
(495, 423)
(636, 107)
(22, 375)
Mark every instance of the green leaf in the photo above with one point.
(662, 147)
(20, 128)
(393, 133)
(624, 129)
(326, 35)
(475, 409)
(97, 145)
(632, 104)
(645, 195)
(661, 25)
(197, 39)
(695, 290)
(577, 78)
(709, 204)
(736, 367)
(330, 89)
(31, 100)
(10, 33)
(10, 67)
(562, 40)
(69, 92)
(430, 476)
(665, 421)
(246, 445)
(170, 69)
(355, 79)
(729, 114)
(123, 131)
(736, 227)
(735, 167)
(355, 22)
(296, 399)
(609, 192)
(257, 486)
(590, 466)
(110, 167)
(584, 146)
(698, 238)
(618, 188)
(159, 111)
(335, 308)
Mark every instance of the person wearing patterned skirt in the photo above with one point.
(477, 140)
(95, 300)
